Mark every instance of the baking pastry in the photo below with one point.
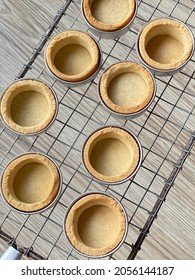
(126, 87)
(165, 44)
(30, 182)
(73, 56)
(28, 106)
(111, 154)
(108, 15)
(95, 224)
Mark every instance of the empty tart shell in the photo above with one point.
(165, 44)
(110, 15)
(126, 88)
(112, 155)
(95, 224)
(73, 56)
(30, 182)
(28, 106)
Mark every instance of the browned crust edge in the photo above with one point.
(24, 85)
(78, 208)
(90, 45)
(126, 138)
(120, 68)
(172, 23)
(12, 168)
(86, 6)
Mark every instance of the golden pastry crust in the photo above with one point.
(125, 138)
(171, 30)
(139, 102)
(9, 188)
(75, 212)
(69, 38)
(22, 87)
(128, 14)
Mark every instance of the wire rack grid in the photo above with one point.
(165, 131)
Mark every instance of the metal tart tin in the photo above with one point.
(110, 34)
(52, 203)
(83, 82)
(132, 174)
(130, 115)
(42, 130)
(126, 223)
(167, 72)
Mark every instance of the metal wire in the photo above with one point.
(44, 239)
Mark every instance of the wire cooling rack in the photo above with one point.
(165, 131)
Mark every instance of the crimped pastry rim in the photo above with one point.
(69, 226)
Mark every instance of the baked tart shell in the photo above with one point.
(126, 8)
(130, 82)
(165, 44)
(112, 155)
(30, 183)
(28, 106)
(73, 56)
(95, 224)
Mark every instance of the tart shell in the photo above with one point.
(73, 37)
(76, 210)
(86, 6)
(20, 87)
(10, 173)
(122, 68)
(125, 138)
(168, 27)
